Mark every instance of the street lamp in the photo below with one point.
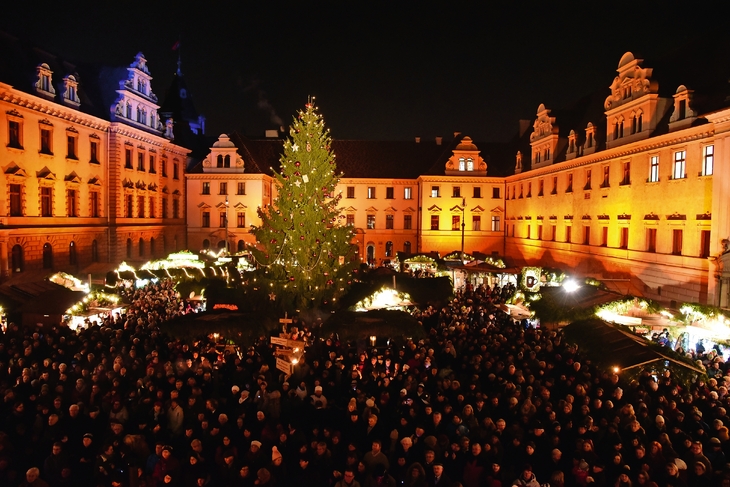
(463, 227)
(227, 252)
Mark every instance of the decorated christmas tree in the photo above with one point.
(303, 250)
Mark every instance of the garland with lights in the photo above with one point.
(303, 249)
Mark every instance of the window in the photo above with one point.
(653, 169)
(222, 220)
(163, 167)
(624, 243)
(46, 147)
(407, 193)
(175, 208)
(680, 161)
(704, 243)
(604, 236)
(389, 193)
(152, 164)
(586, 235)
(529, 190)
(140, 161)
(128, 206)
(94, 151)
(206, 219)
(389, 249)
(455, 222)
(241, 219)
(140, 206)
(477, 192)
(588, 180)
(522, 187)
(456, 192)
(206, 244)
(350, 220)
(47, 256)
(407, 247)
(434, 222)
(141, 247)
(462, 164)
(371, 192)
(469, 164)
(175, 170)
(72, 258)
(496, 223)
(569, 189)
(496, 193)
(435, 192)
(206, 187)
(407, 222)
(677, 242)
(94, 251)
(164, 207)
(71, 203)
(152, 246)
(129, 248)
(568, 233)
(389, 222)
(16, 199)
(15, 140)
(241, 188)
(94, 203)
(555, 185)
(17, 260)
(152, 207)
(708, 160)
(371, 222)
(350, 192)
(553, 232)
(241, 246)
(606, 176)
(71, 147)
(223, 188)
(541, 187)
(539, 232)
(529, 230)
(46, 201)
(626, 178)
(128, 158)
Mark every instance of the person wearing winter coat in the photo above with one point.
(526, 478)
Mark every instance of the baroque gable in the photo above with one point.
(136, 104)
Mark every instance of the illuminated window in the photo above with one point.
(708, 160)
(371, 222)
(653, 169)
(455, 222)
(389, 249)
(462, 164)
(350, 220)
(476, 223)
(469, 164)
(371, 192)
(434, 222)
(435, 191)
(679, 171)
(407, 193)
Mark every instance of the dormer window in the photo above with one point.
(142, 85)
(129, 110)
(462, 164)
(70, 90)
(469, 164)
(43, 80)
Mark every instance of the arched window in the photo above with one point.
(206, 244)
(129, 248)
(219, 160)
(462, 164)
(227, 162)
(469, 164)
(370, 252)
(94, 251)
(241, 246)
(164, 245)
(141, 247)
(152, 247)
(72, 259)
(407, 247)
(47, 256)
(17, 258)
(129, 111)
(221, 244)
(389, 249)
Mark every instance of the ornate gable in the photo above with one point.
(223, 157)
(466, 160)
(136, 104)
(544, 138)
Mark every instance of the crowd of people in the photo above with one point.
(481, 401)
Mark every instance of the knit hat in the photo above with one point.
(275, 454)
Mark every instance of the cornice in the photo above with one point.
(646, 145)
(41, 105)
(141, 136)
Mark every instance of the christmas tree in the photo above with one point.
(303, 250)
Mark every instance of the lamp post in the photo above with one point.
(463, 227)
(227, 251)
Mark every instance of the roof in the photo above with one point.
(27, 292)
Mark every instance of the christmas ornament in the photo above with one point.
(309, 146)
(272, 297)
(297, 163)
(295, 147)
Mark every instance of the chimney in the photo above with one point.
(439, 140)
(272, 134)
(418, 140)
(524, 125)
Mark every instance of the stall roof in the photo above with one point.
(625, 349)
(56, 299)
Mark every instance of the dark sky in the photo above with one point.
(380, 70)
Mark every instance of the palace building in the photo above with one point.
(89, 172)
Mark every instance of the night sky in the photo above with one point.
(380, 70)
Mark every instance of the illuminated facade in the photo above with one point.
(88, 172)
